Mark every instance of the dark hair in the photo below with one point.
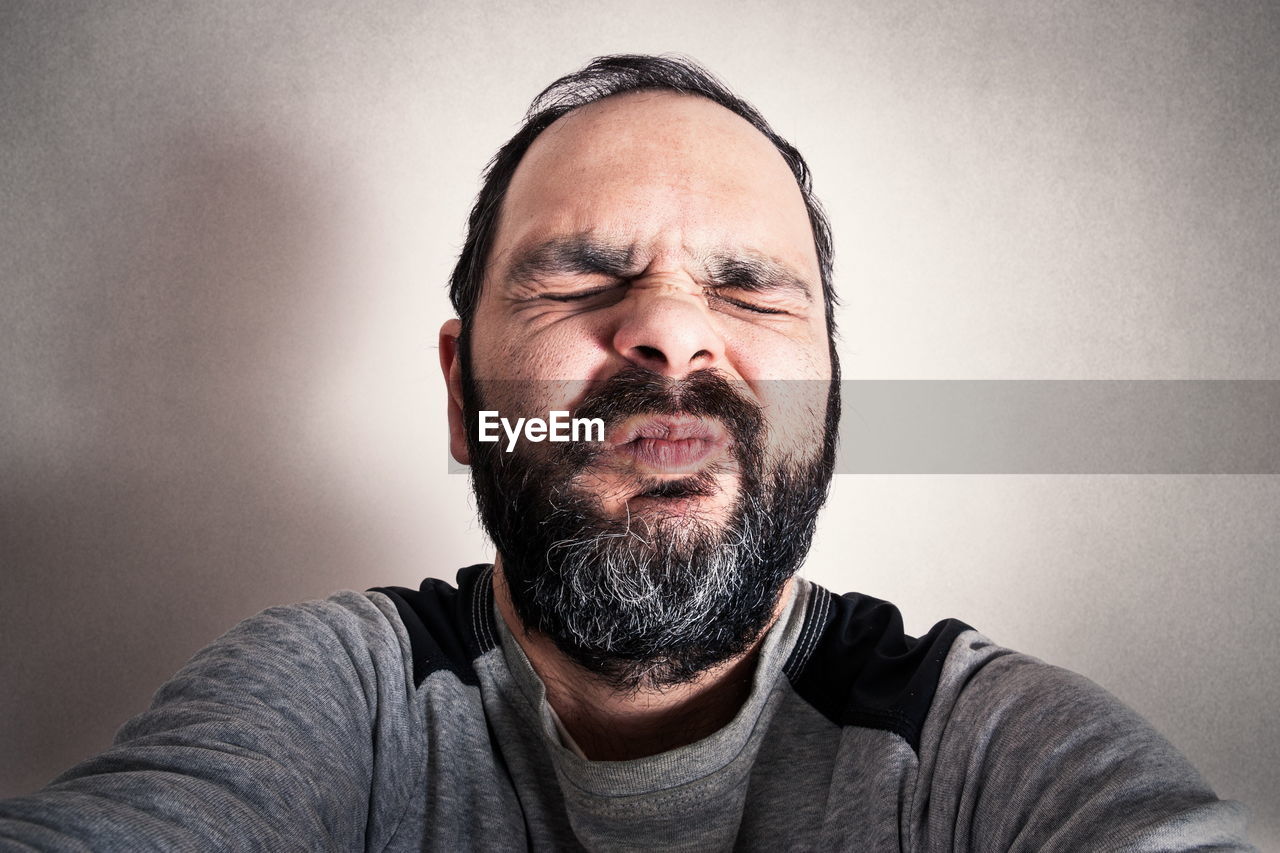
(604, 77)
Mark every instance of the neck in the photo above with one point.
(608, 725)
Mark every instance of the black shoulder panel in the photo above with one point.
(854, 664)
(448, 628)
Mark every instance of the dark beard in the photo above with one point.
(648, 601)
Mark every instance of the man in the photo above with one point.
(639, 669)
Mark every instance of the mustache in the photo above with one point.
(705, 393)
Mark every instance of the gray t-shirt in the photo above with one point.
(406, 720)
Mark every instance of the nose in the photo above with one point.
(668, 330)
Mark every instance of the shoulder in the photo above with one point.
(1018, 750)
(994, 701)
(445, 627)
(996, 704)
(855, 664)
(400, 634)
(344, 620)
(1011, 751)
(347, 642)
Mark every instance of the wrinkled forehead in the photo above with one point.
(669, 172)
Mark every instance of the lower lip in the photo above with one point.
(670, 456)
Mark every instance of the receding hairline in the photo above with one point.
(597, 109)
(537, 155)
(605, 77)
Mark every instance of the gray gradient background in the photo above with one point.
(225, 229)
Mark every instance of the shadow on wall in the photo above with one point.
(186, 347)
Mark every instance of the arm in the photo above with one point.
(266, 740)
(1020, 755)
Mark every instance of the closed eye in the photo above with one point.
(578, 295)
(747, 306)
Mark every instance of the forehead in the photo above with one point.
(667, 173)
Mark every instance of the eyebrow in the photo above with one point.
(583, 254)
(755, 274)
(576, 255)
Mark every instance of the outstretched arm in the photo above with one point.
(1023, 756)
(266, 740)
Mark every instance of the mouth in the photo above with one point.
(668, 445)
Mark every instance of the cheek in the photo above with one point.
(565, 351)
(762, 354)
(796, 411)
(791, 377)
(530, 374)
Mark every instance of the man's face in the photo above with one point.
(654, 264)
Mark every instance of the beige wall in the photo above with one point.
(225, 228)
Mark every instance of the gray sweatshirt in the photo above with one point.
(410, 720)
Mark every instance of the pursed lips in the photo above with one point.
(667, 444)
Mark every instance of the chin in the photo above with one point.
(668, 505)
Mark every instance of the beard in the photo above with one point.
(656, 597)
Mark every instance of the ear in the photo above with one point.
(451, 364)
